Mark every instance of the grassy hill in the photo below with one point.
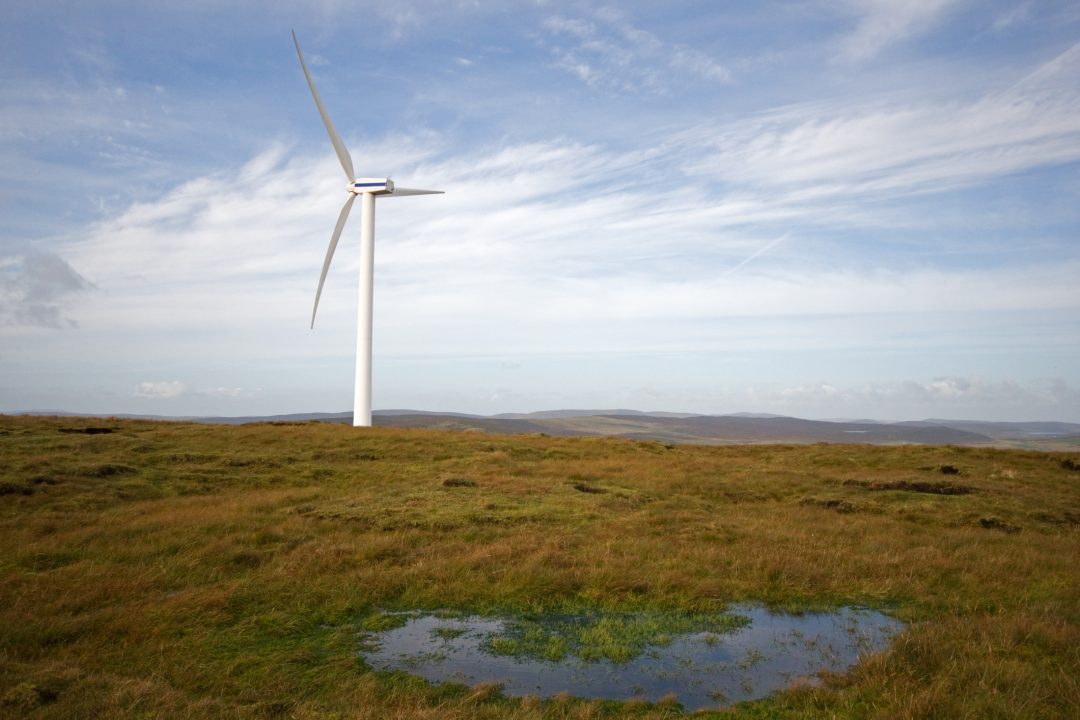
(699, 429)
(155, 569)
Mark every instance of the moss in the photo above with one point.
(598, 635)
(380, 621)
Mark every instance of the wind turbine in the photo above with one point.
(368, 189)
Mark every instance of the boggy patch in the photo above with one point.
(696, 660)
(10, 488)
(27, 696)
(995, 523)
(932, 488)
(458, 482)
(44, 480)
(1070, 519)
(108, 470)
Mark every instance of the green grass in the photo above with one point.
(183, 570)
(618, 637)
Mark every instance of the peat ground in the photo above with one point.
(157, 569)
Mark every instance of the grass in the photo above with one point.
(184, 570)
(617, 637)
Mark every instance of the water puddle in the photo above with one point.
(703, 661)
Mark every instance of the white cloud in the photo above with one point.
(883, 23)
(897, 145)
(36, 289)
(577, 223)
(562, 246)
(1014, 15)
(173, 389)
(612, 54)
(501, 265)
(700, 64)
(160, 390)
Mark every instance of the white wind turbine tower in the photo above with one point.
(368, 189)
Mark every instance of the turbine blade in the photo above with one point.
(339, 147)
(342, 217)
(410, 191)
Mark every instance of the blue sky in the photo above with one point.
(855, 208)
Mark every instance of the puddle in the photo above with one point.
(716, 663)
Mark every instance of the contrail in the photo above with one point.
(759, 251)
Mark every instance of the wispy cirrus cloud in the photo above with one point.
(605, 51)
(586, 267)
(582, 270)
(880, 24)
(906, 144)
(1014, 15)
(679, 192)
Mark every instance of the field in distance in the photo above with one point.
(731, 429)
(176, 569)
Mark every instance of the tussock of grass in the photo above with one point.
(217, 571)
(458, 482)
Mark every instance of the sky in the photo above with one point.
(817, 208)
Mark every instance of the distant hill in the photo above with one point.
(1014, 430)
(711, 429)
(751, 428)
(292, 417)
(565, 414)
(674, 427)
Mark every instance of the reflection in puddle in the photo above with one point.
(701, 669)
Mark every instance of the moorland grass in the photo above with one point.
(185, 570)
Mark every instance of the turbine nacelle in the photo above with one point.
(375, 186)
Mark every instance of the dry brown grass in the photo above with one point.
(180, 570)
